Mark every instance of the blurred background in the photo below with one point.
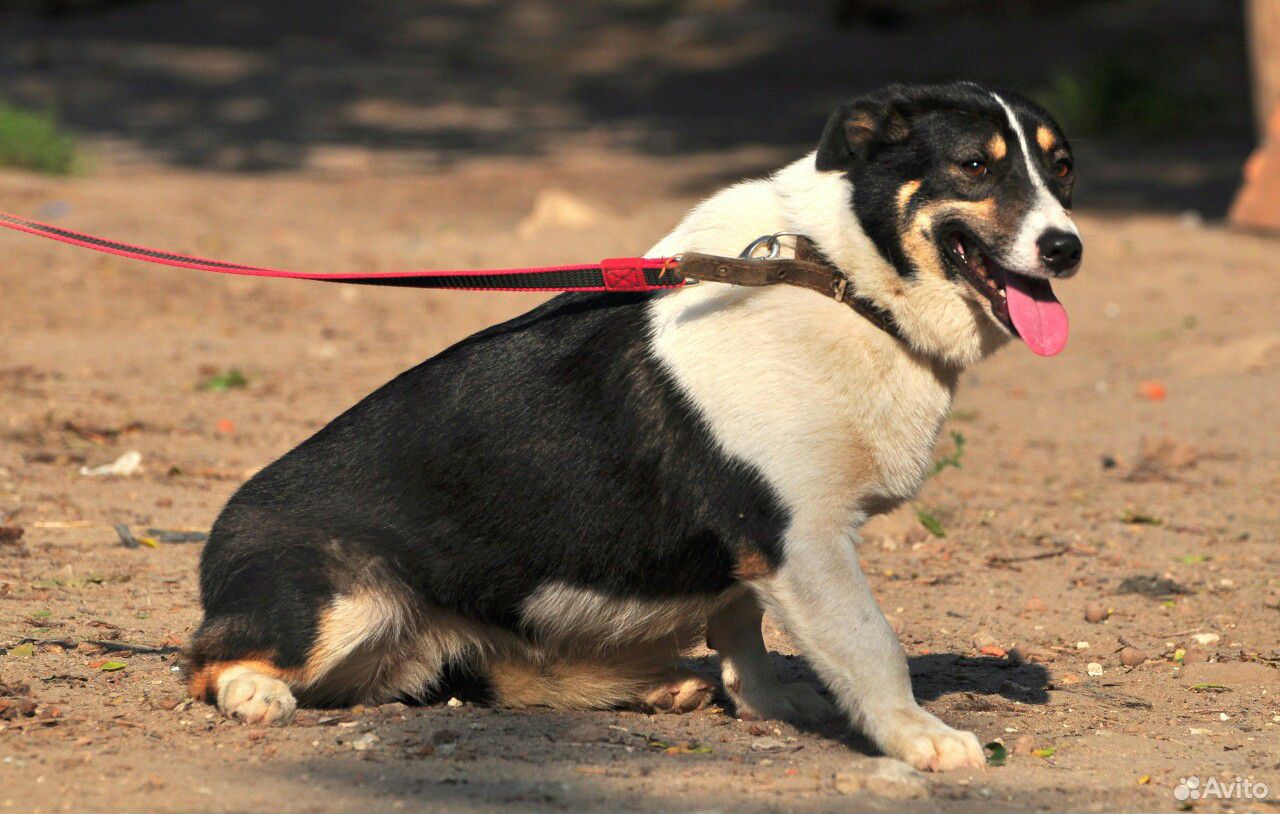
(1109, 513)
(1155, 94)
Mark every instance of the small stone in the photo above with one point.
(884, 777)
(1206, 638)
(1069, 678)
(1132, 657)
(766, 745)
(1024, 745)
(366, 741)
(1037, 605)
(455, 702)
(1082, 645)
(983, 639)
(1094, 668)
(1033, 655)
(1095, 613)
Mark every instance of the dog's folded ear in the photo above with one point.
(856, 129)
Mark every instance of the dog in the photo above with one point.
(550, 512)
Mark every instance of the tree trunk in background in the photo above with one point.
(1262, 18)
(1257, 205)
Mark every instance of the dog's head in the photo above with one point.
(961, 185)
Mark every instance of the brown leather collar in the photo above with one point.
(810, 269)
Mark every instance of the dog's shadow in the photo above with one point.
(982, 680)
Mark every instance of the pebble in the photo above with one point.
(365, 741)
(767, 745)
(983, 639)
(1132, 657)
(1024, 745)
(1095, 613)
(1037, 605)
(1034, 655)
(1094, 668)
(1206, 638)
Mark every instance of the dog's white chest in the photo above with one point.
(838, 419)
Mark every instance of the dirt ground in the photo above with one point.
(1134, 476)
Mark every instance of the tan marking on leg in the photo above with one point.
(566, 682)
(751, 565)
(204, 682)
(1045, 138)
(997, 148)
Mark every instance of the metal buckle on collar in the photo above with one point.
(841, 286)
(771, 242)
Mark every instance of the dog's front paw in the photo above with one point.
(254, 698)
(920, 739)
(796, 703)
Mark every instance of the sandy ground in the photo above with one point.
(1148, 451)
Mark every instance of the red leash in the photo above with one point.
(615, 274)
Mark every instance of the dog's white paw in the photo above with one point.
(920, 739)
(254, 698)
(797, 703)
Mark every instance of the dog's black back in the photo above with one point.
(483, 474)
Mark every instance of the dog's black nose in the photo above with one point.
(1060, 251)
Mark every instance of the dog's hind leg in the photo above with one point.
(748, 675)
(252, 691)
(637, 680)
(369, 646)
(295, 617)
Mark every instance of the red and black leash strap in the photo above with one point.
(616, 274)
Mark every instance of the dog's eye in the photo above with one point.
(974, 167)
(1062, 167)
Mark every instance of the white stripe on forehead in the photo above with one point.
(1022, 142)
(1047, 212)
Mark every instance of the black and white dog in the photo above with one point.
(559, 506)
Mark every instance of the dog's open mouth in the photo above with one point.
(1025, 305)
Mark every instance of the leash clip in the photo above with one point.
(771, 242)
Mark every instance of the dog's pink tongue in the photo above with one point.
(1039, 317)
